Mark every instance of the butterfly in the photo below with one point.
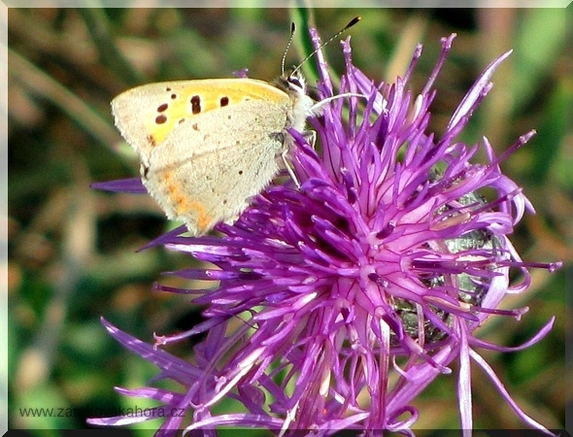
(207, 146)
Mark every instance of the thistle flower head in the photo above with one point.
(357, 289)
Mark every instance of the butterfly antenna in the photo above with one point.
(337, 34)
(292, 30)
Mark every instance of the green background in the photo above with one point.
(72, 250)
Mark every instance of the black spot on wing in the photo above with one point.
(195, 104)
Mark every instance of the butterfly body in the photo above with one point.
(207, 146)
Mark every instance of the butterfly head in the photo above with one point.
(294, 85)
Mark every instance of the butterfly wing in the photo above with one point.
(236, 156)
(205, 146)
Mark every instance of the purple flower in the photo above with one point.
(350, 294)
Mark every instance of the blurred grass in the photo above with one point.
(72, 249)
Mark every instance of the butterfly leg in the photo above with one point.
(310, 137)
(289, 168)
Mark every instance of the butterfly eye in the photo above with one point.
(295, 82)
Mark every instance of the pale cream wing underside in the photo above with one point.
(205, 171)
